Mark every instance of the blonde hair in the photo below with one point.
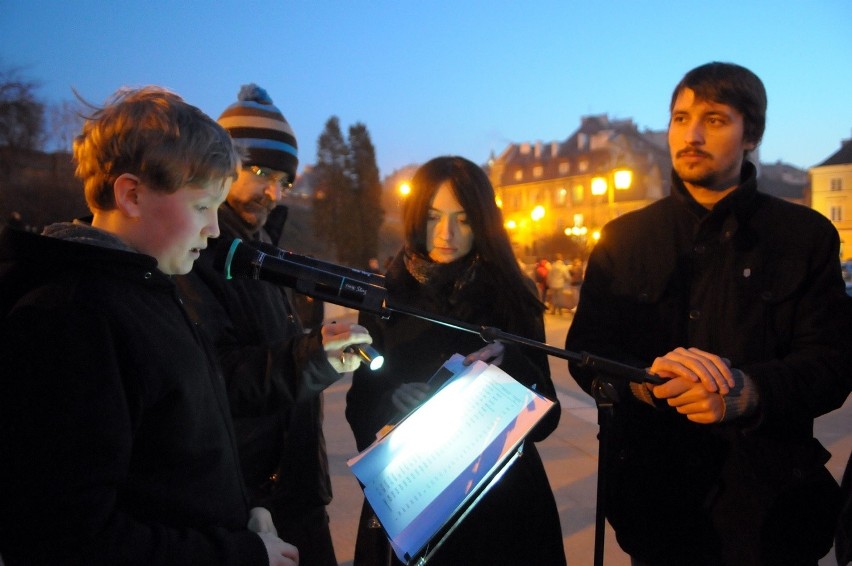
(154, 134)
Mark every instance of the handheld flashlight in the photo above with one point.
(369, 354)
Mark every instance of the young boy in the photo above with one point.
(116, 439)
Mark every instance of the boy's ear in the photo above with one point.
(126, 192)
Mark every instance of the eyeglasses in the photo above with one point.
(282, 179)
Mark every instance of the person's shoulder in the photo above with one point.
(637, 222)
(776, 210)
(39, 270)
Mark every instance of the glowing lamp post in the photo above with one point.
(621, 181)
(537, 214)
(599, 187)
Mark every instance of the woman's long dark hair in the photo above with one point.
(474, 192)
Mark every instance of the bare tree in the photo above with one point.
(21, 112)
(64, 121)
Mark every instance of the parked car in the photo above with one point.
(846, 266)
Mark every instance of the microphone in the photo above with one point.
(336, 284)
(365, 276)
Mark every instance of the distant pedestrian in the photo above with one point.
(542, 267)
(557, 280)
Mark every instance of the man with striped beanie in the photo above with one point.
(270, 154)
(274, 371)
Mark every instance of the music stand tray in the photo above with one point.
(424, 476)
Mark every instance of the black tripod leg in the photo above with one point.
(604, 394)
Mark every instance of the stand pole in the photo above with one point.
(604, 394)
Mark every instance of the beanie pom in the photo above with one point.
(253, 93)
(261, 131)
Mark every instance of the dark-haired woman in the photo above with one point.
(457, 262)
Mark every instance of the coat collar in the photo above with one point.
(730, 213)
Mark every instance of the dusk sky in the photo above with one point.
(429, 78)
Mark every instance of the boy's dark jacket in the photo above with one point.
(115, 436)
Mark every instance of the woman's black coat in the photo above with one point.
(517, 522)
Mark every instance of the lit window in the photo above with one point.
(837, 184)
(837, 214)
(564, 168)
(538, 171)
(519, 174)
(583, 165)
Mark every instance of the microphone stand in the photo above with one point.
(490, 334)
(603, 392)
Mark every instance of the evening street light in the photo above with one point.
(404, 189)
(599, 187)
(537, 214)
(621, 181)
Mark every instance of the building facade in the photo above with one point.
(831, 193)
(556, 196)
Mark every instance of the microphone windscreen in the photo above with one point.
(232, 258)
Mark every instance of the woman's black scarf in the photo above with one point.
(447, 283)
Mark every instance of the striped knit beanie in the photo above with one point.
(259, 128)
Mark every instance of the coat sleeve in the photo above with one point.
(368, 401)
(268, 363)
(597, 326)
(531, 367)
(813, 374)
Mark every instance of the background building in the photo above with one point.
(831, 193)
(556, 196)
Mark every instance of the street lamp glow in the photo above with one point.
(599, 186)
(404, 189)
(623, 179)
(511, 225)
(537, 213)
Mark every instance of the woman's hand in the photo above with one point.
(492, 353)
(408, 395)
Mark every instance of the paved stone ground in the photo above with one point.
(570, 455)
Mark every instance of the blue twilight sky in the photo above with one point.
(465, 77)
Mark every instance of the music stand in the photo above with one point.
(426, 474)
